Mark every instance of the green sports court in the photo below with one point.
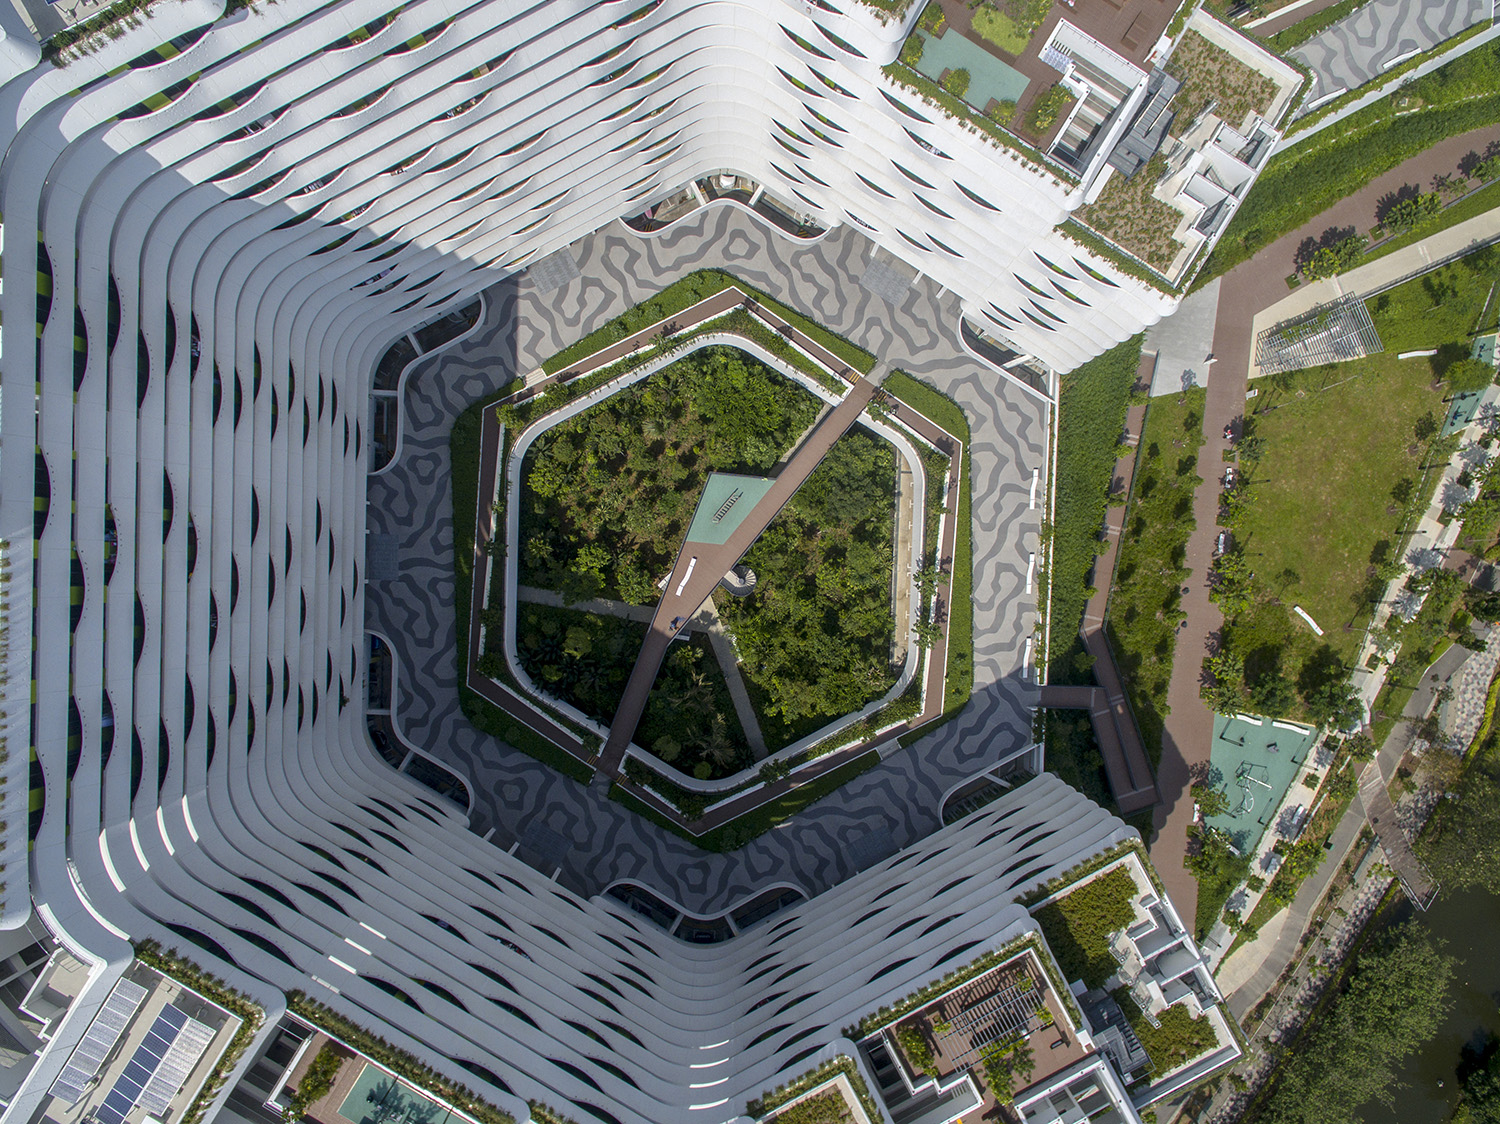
(1255, 760)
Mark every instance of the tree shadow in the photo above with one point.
(1390, 199)
(1310, 246)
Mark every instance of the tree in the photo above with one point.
(1464, 847)
(1232, 581)
(1479, 1073)
(1395, 1000)
(1469, 375)
(1408, 214)
(1210, 801)
(956, 82)
(1335, 258)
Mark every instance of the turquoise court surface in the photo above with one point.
(726, 500)
(1256, 761)
(379, 1098)
(989, 78)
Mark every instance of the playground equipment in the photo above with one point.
(1250, 773)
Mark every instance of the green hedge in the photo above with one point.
(82, 38)
(1304, 181)
(1128, 264)
(463, 449)
(395, 1059)
(249, 1012)
(683, 294)
(769, 1102)
(1090, 417)
(1303, 30)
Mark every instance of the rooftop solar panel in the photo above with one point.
(100, 1038)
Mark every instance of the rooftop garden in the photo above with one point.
(1210, 75)
(1128, 214)
(1078, 925)
(841, 1066)
(1180, 1038)
(1010, 24)
(1005, 1028)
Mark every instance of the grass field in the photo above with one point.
(1444, 307)
(1337, 443)
(1144, 607)
(1341, 457)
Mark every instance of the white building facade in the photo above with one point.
(214, 225)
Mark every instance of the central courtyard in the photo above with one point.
(523, 801)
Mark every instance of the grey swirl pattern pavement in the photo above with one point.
(560, 824)
(1360, 46)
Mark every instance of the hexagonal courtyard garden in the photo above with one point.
(713, 424)
(606, 499)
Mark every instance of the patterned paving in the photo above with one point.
(591, 840)
(1364, 44)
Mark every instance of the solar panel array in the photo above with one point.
(191, 1041)
(88, 1056)
(150, 1068)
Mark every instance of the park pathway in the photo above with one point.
(1243, 292)
(699, 567)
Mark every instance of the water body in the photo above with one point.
(1470, 924)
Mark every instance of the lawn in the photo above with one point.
(1144, 607)
(1128, 214)
(1444, 307)
(992, 24)
(1338, 442)
(1336, 481)
(1211, 74)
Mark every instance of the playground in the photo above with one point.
(1254, 761)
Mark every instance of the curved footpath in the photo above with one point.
(1244, 292)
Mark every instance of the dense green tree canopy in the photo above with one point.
(1464, 847)
(1394, 1001)
(607, 496)
(815, 636)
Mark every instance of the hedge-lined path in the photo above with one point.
(1127, 766)
(563, 826)
(1245, 291)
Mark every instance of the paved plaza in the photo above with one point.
(1378, 36)
(567, 827)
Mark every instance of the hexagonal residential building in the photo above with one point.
(258, 261)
